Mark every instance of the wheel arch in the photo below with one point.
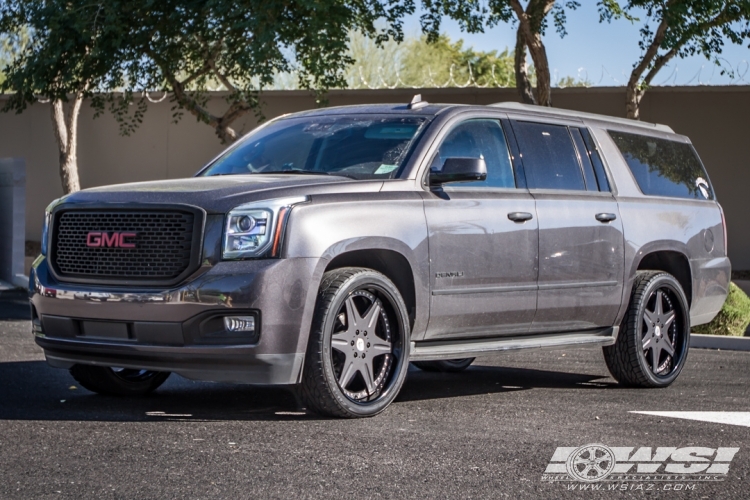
(394, 265)
(673, 262)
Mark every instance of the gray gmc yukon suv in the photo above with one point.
(330, 248)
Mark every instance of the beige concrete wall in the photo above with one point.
(715, 118)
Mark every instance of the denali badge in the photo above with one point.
(452, 274)
(117, 240)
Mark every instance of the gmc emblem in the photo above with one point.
(117, 240)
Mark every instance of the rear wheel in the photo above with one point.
(653, 342)
(445, 365)
(358, 351)
(118, 381)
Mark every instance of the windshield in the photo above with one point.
(360, 147)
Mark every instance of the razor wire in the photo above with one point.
(357, 79)
(735, 75)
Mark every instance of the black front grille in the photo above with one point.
(163, 245)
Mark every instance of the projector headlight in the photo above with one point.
(256, 229)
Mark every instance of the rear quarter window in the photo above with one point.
(662, 167)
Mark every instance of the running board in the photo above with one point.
(435, 350)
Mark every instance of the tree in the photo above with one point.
(88, 49)
(443, 59)
(532, 21)
(683, 28)
(417, 62)
(72, 52)
(243, 45)
(11, 44)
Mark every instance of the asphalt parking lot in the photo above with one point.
(486, 433)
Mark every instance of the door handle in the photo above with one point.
(605, 217)
(520, 216)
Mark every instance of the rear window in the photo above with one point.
(664, 168)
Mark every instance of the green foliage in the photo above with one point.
(11, 44)
(417, 62)
(734, 317)
(570, 81)
(474, 15)
(186, 47)
(75, 48)
(441, 59)
(683, 28)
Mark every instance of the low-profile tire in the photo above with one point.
(444, 365)
(118, 381)
(358, 351)
(654, 336)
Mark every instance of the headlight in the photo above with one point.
(255, 229)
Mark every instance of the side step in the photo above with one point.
(435, 350)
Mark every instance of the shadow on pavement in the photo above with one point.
(31, 390)
(14, 304)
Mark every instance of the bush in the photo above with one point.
(733, 318)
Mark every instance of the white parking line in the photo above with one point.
(717, 417)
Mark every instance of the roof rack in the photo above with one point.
(578, 114)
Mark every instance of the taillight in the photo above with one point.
(724, 226)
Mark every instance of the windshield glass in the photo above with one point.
(360, 147)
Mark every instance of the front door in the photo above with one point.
(483, 241)
(581, 244)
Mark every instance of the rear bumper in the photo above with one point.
(711, 279)
(164, 329)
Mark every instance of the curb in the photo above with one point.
(699, 341)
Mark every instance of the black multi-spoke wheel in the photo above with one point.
(444, 365)
(652, 345)
(118, 381)
(358, 348)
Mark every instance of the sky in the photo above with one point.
(602, 53)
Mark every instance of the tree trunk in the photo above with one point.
(541, 65)
(633, 97)
(530, 22)
(65, 126)
(522, 71)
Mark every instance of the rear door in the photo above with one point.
(483, 263)
(581, 247)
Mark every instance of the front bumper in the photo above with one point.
(161, 329)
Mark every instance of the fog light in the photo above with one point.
(239, 323)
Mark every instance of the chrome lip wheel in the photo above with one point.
(362, 347)
(660, 331)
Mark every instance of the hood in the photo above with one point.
(221, 193)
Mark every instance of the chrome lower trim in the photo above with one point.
(523, 288)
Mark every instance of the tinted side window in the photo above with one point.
(479, 139)
(549, 157)
(601, 175)
(583, 155)
(662, 167)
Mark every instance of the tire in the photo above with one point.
(335, 381)
(118, 381)
(445, 365)
(653, 342)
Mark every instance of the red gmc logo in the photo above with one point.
(117, 240)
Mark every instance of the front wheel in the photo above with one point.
(654, 337)
(358, 352)
(118, 381)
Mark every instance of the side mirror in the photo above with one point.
(459, 170)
